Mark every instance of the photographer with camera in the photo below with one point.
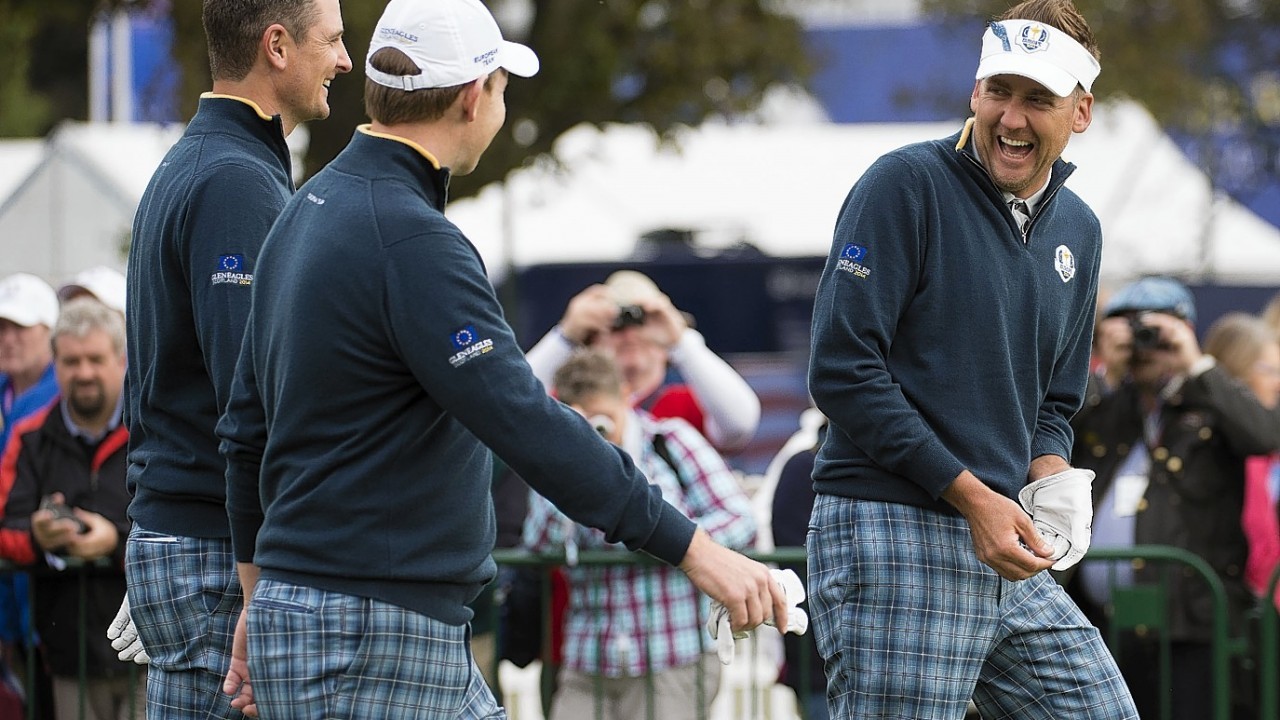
(1168, 441)
(634, 638)
(629, 318)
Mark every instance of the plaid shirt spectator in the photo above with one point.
(629, 620)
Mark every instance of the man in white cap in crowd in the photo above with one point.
(28, 312)
(360, 514)
(101, 283)
(951, 336)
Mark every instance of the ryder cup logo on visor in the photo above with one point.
(1040, 52)
(1034, 38)
(850, 261)
(468, 344)
(1065, 263)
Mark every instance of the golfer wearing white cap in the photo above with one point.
(951, 336)
(376, 369)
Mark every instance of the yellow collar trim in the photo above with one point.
(246, 101)
(367, 129)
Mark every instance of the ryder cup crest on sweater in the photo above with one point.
(1064, 262)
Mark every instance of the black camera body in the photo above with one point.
(628, 316)
(1145, 337)
(62, 512)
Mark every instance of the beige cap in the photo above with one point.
(628, 287)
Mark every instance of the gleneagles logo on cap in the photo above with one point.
(452, 41)
(1037, 51)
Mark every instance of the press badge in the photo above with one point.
(1128, 491)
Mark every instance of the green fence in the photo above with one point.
(84, 633)
(1137, 607)
(1140, 607)
(1269, 651)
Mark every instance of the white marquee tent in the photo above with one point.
(779, 187)
(67, 202)
(73, 207)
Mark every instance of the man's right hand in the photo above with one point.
(1004, 537)
(741, 584)
(237, 683)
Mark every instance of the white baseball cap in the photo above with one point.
(1037, 51)
(453, 42)
(27, 300)
(104, 283)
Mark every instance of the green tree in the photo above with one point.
(660, 62)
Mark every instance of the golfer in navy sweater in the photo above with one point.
(206, 212)
(376, 369)
(951, 335)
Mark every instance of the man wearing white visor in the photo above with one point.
(944, 493)
(375, 370)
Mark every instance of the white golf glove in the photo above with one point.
(797, 619)
(124, 636)
(1061, 506)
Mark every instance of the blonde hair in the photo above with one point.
(81, 316)
(1236, 340)
(587, 374)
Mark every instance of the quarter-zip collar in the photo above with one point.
(244, 118)
(408, 157)
(1058, 175)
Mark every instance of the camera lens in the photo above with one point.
(628, 315)
(1145, 337)
(603, 425)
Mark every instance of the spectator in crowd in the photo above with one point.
(1271, 312)
(629, 317)
(634, 636)
(367, 505)
(950, 349)
(1168, 445)
(66, 467)
(28, 311)
(791, 508)
(101, 283)
(196, 239)
(669, 369)
(1249, 350)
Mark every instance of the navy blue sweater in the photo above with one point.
(940, 341)
(196, 235)
(376, 369)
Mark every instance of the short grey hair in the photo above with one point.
(83, 315)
